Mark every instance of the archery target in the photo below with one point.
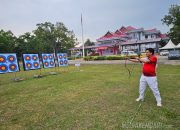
(31, 61)
(8, 63)
(48, 60)
(62, 59)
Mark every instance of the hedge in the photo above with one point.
(112, 57)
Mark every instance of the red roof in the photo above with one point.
(107, 35)
(163, 36)
(102, 48)
(129, 28)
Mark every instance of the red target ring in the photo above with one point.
(13, 67)
(28, 58)
(3, 68)
(2, 59)
(11, 58)
(46, 64)
(45, 57)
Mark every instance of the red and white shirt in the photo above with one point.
(149, 68)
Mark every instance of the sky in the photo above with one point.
(98, 16)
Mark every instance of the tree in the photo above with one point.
(88, 43)
(173, 20)
(7, 41)
(56, 36)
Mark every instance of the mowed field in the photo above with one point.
(94, 97)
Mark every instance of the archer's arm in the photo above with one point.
(134, 60)
(143, 60)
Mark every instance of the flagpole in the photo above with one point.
(82, 35)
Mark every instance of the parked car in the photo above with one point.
(164, 53)
(174, 54)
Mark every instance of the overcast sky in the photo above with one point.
(99, 16)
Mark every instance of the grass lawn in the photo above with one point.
(96, 97)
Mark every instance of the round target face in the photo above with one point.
(46, 64)
(51, 63)
(45, 57)
(60, 56)
(65, 61)
(50, 57)
(12, 67)
(27, 58)
(2, 59)
(65, 56)
(36, 64)
(34, 57)
(3, 68)
(28, 65)
(61, 62)
(11, 58)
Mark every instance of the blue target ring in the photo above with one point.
(11, 58)
(60, 57)
(51, 63)
(65, 56)
(50, 57)
(3, 68)
(36, 65)
(65, 62)
(28, 65)
(2, 59)
(34, 57)
(46, 64)
(61, 62)
(12, 67)
(27, 57)
(45, 57)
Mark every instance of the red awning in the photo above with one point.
(102, 48)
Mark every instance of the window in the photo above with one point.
(146, 36)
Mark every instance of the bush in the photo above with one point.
(99, 57)
(88, 58)
(71, 58)
(112, 57)
(115, 57)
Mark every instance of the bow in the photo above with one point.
(125, 65)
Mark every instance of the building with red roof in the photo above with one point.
(128, 38)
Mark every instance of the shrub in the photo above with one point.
(99, 57)
(112, 57)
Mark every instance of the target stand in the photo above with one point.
(17, 79)
(38, 75)
(53, 73)
(77, 65)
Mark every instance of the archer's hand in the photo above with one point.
(137, 58)
(127, 58)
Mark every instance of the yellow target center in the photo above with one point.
(3, 68)
(11, 59)
(1, 59)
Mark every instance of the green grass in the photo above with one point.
(96, 97)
